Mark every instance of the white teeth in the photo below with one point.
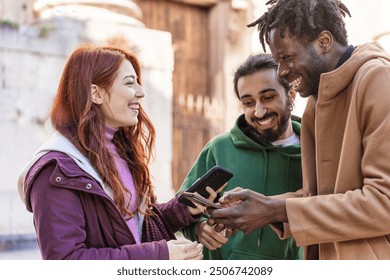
(266, 121)
(295, 83)
(134, 106)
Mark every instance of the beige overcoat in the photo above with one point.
(346, 163)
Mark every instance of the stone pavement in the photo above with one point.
(28, 254)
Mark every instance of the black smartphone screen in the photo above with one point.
(214, 178)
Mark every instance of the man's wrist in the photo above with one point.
(280, 210)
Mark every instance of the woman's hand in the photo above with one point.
(212, 195)
(184, 250)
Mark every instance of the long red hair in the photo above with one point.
(75, 116)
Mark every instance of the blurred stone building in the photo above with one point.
(188, 50)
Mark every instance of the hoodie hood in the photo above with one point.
(334, 82)
(58, 142)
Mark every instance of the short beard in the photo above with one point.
(317, 68)
(271, 135)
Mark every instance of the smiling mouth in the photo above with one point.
(266, 122)
(134, 107)
(296, 82)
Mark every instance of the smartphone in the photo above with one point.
(194, 197)
(214, 178)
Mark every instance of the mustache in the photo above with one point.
(266, 116)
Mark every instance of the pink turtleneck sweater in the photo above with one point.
(126, 179)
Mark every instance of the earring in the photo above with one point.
(291, 105)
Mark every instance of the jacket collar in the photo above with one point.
(334, 82)
(58, 142)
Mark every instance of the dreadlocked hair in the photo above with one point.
(304, 19)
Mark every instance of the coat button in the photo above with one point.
(88, 186)
(58, 179)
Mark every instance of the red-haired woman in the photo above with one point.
(89, 186)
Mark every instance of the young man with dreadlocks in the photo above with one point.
(344, 210)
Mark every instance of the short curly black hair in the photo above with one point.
(304, 19)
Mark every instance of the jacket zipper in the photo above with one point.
(259, 237)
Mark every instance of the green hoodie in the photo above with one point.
(258, 166)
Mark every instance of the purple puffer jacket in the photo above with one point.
(75, 219)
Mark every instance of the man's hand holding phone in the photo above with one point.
(200, 197)
(209, 237)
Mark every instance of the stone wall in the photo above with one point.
(31, 62)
